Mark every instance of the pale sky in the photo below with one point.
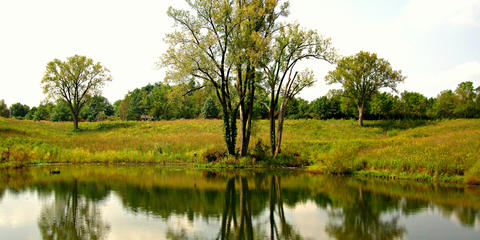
(436, 43)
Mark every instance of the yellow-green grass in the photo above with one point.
(428, 150)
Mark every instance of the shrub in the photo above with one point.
(213, 155)
(260, 151)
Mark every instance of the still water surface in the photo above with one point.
(148, 202)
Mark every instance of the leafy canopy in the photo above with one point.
(74, 80)
(362, 75)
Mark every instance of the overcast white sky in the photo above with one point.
(436, 43)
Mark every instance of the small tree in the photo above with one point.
(4, 112)
(210, 110)
(362, 76)
(74, 80)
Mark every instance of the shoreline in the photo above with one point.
(384, 176)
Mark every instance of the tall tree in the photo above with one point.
(74, 80)
(290, 46)
(219, 43)
(362, 76)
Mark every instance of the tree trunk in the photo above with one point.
(281, 120)
(360, 116)
(75, 122)
(278, 141)
(246, 111)
(272, 125)
(250, 113)
(230, 128)
(243, 129)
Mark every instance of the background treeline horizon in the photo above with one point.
(188, 101)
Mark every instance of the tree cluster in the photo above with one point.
(166, 102)
(97, 108)
(463, 102)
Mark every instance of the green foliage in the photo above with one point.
(19, 110)
(210, 109)
(43, 112)
(466, 97)
(95, 106)
(31, 113)
(414, 105)
(163, 102)
(75, 81)
(297, 108)
(61, 112)
(362, 76)
(326, 107)
(4, 112)
(444, 106)
(382, 105)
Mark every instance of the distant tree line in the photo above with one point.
(464, 102)
(165, 102)
(97, 108)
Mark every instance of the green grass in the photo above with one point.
(446, 151)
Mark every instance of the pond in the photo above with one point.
(153, 202)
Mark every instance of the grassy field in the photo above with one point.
(424, 150)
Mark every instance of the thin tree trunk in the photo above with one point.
(243, 129)
(278, 143)
(272, 124)
(272, 208)
(281, 120)
(360, 116)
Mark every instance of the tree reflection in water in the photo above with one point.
(237, 205)
(72, 216)
(287, 231)
(242, 228)
(363, 219)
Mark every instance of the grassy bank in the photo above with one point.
(432, 151)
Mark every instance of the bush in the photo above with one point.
(213, 155)
(291, 159)
(260, 151)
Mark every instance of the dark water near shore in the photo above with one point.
(148, 202)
